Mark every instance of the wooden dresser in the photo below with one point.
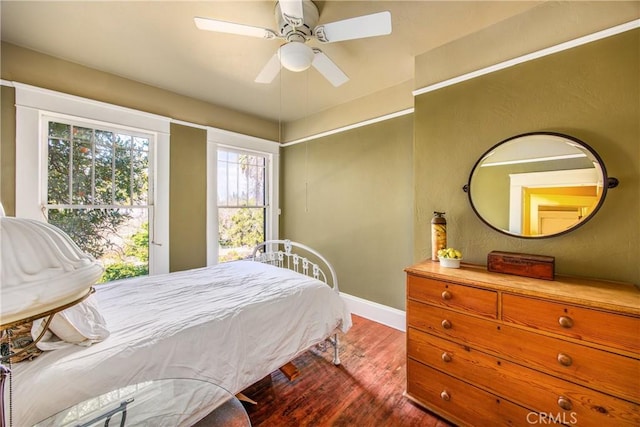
(494, 349)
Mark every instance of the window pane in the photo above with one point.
(241, 179)
(82, 172)
(131, 255)
(123, 142)
(232, 157)
(242, 183)
(123, 170)
(223, 183)
(58, 171)
(256, 185)
(118, 238)
(81, 134)
(103, 175)
(234, 171)
(141, 144)
(59, 130)
(140, 170)
(261, 189)
(104, 138)
(240, 230)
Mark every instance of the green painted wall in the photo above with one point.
(188, 202)
(350, 197)
(591, 92)
(8, 150)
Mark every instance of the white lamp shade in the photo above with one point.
(296, 56)
(41, 269)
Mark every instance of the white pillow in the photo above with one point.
(81, 324)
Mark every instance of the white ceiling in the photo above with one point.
(157, 43)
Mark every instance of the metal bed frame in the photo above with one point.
(279, 253)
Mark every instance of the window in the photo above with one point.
(242, 178)
(98, 190)
(242, 202)
(36, 107)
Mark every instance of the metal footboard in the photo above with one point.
(281, 254)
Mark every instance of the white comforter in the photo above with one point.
(231, 324)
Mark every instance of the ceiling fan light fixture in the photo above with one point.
(295, 20)
(296, 56)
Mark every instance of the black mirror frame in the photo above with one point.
(611, 182)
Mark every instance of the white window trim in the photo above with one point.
(33, 103)
(271, 149)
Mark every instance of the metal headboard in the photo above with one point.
(280, 253)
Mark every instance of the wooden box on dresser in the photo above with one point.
(493, 349)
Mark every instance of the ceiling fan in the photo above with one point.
(296, 21)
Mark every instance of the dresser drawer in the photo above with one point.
(459, 401)
(541, 392)
(615, 330)
(588, 366)
(459, 297)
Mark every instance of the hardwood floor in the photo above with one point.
(366, 390)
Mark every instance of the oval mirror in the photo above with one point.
(538, 185)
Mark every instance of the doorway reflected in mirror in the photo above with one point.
(537, 185)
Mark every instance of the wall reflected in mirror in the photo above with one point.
(537, 185)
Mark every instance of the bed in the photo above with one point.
(231, 324)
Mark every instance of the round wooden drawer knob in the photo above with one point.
(564, 403)
(445, 396)
(565, 321)
(446, 324)
(446, 357)
(446, 295)
(564, 359)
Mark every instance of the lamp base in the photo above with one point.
(4, 373)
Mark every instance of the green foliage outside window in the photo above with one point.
(240, 230)
(137, 249)
(97, 190)
(90, 229)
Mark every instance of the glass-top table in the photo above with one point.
(158, 403)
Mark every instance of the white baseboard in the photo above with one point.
(386, 315)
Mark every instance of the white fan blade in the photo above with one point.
(376, 24)
(270, 70)
(233, 28)
(292, 12)
(328, 68)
